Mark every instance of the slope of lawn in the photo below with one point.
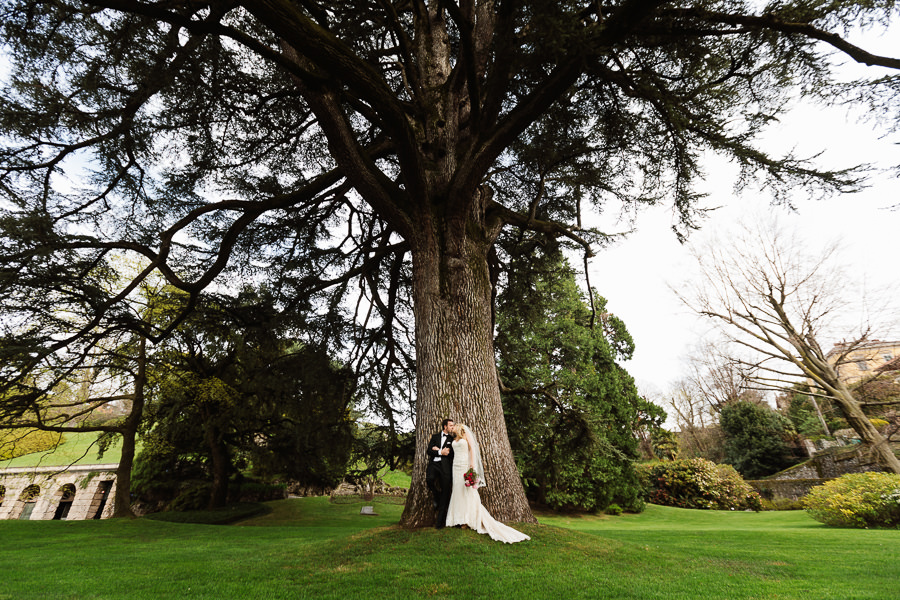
(311, 548)
(76, 449)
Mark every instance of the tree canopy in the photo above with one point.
(375, 150)
(232, 389)
(756, 439)
(572, 410)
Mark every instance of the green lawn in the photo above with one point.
(310, 548)
(77, 449)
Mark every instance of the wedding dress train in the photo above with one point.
(465, 503)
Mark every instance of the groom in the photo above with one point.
(439, 473)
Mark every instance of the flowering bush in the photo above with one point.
(698, 483)
(857, 500)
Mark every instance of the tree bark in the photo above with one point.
(819, 414)
(456, 372)
(861, 425)
(122, 505)
(220, 465)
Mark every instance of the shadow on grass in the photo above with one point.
(226, 515)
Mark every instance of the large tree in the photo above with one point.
(379, 145)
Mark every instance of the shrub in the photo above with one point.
(857, 500)
(194, 497)
(698, 483)
(613, 509)
(256, 491)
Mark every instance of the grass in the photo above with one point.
(77, 448)
(311, 548)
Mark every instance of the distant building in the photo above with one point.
(863, 361)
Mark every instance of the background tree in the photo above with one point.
(778, 301)
(649, 427)
(233, 390)
(807, 411)
(699, 435)
(331, 147)
(720, 377)
(95, 384)
(757, 439)
(572, 411)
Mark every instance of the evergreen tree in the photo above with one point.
(756, 439)
(571, 410)
(232, 392)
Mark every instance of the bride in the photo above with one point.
(465, 503)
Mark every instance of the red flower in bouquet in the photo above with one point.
(471, 478)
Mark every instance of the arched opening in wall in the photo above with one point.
(100, 498)
(66, 496)
(2, 494)
(27, 500)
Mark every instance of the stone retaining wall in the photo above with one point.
(794, 483)
(785, 489)
(72, 493)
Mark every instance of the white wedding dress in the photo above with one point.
(465, 503)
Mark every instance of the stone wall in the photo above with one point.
(71, 493)
(795, 482)
(785, 489)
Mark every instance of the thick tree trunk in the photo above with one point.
(220, 465)
(860, 423)
(456, 372)
(122, 505)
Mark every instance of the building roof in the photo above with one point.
(858, 346)
(893, 365)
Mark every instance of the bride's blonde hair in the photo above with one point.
(462, 430)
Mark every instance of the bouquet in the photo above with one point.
(471, 478)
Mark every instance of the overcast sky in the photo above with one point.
(635, 275)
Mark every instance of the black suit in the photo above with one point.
(439, 475)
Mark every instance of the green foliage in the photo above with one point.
(258, 491)
(379, 448)
(20, 442)
(161, 474)
(857, 500)
(782, 504)
(192, 497)
(803, 417)
(573, 414)
(665, 444)
(235, 394)
(649, 430)
(756, 439)
(697, 483)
